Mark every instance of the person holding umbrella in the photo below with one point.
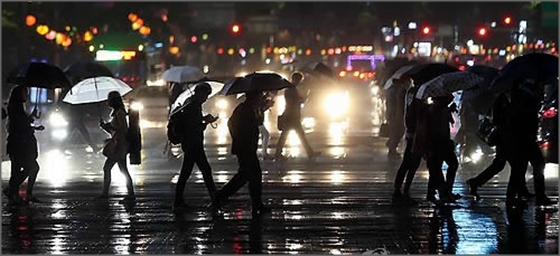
(21, 147)
(244, 129)
(193, 124)
(116, 148)
(292, 119)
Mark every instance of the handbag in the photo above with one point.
(384, 130)
(488, 131)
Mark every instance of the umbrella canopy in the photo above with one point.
(447, 83)
(255, 82)
(487, 72)
(391, 66)
(540, 67)
(397, 75)
(38, 74)
(315, 67)
(183, 74)
(189, 92)
(95, 89)
(425, 72)
(83, 70)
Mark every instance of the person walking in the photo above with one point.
(21, 147)
(76, 122)
(192, 125)
(116, 148)
(395, 102)
(244, 130)
(292, 119)
(267, 103)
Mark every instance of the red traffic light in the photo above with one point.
(236, 29)
(426, 30)
(482, 31)
(507, 20)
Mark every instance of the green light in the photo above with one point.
(252, 50)
(205, 37)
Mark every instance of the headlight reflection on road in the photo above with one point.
(293, 144)
(293, 176)
(551, 171)
(55, 168)
(336, 135)
(337, 177)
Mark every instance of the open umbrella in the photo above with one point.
(315, 67)
(255, 82)
(189, 92)
(447, 83)
(82, 70)
(397, 75)
(38, 74)
(425, 72)
(92, 90)
(183, 74)
(540, 67)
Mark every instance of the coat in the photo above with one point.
(244, 129)
(117, 146)
(21, 136)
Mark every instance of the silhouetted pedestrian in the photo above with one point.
(76, 122)
(244, 130)
(116, 148)
(395, 102)
(267, 103)
(192, 125)
(291, 118)
(22, 146)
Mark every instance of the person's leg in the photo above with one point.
(206, 170)
(281, 142)
(253, 171)
(453, 164)
(186, 170)
(33, 169)
(404, 167)
(395, 137)
(107, 167)
(265, 135)
(124, 170)
(518, 165)
(301, 134)
(415, 160)
(17, 176)
(538, 163)
(233, 185)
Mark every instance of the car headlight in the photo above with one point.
(57, 120)
(337, 104)
(222, 104)
(137, 106)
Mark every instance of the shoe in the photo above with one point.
(129, 197)
(544, 200)
(473, 189)
(432, 199)
(260, 210)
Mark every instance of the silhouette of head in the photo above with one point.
(253, 97)
(202, 91)
(115, 100)
(19, 94)
(297, 77)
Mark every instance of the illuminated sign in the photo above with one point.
(371, 58)
(425, 49)
(360, 48)
(104, 55)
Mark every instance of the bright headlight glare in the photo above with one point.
(137, 106)
(222, 104)
(57, 120)
(59, 134)
(336, 104)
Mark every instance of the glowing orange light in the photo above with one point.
(132, 17)
(30, 20)
(51, 35)
(42, 30)
(88, 36)
(145, 30)
(173, 49)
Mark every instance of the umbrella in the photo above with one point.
(183, 74)
(540, 67)
(391, 66)
(316, 67)
(397, 75)
(426, 72)
(92, 90)
(83, 70)
(38, 74)
(255, 82)
(487, 72)
(447, 83)
(183, 97)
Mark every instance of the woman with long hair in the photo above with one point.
(22, 146)
(116, 148)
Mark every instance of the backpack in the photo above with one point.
(134, 137)
(174, 131)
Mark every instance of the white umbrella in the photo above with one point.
(95, 89)
(183, 74)
(182, 98)
(447, 83)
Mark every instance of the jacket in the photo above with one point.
(21, 141)
(118, 128)
(244, 129)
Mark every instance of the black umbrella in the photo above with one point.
(38, 74)
(540, 67)
(487, 72)
(255, 82)
(316, 67)
(425, 72)
(83, 70)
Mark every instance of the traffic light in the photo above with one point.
(482, 31)
(236, 29)
(507, 20)
(426, 30)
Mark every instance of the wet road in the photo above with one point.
(338, 204)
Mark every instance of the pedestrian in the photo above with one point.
(498, 115)
(411, 160)
(192, 126)
(440, 148)
(76, 122)
(520, 139)
(291, 119)
(244, 130)
(395, 103)
(21, 147)
(117, 147)
(267, 103)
